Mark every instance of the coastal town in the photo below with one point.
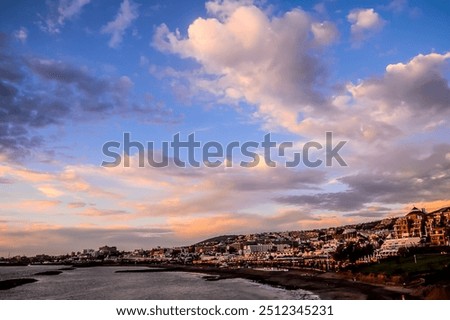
(330, 249)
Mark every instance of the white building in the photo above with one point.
(391, 246)
(262, 248)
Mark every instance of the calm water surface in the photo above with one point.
(104, 283)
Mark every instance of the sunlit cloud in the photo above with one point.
(50, 191)
(268, 63)
(225, 70)
(32, 206)
(364, 22)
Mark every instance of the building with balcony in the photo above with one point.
(433, 227)
(411, 225)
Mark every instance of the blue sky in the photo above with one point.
(76, 74)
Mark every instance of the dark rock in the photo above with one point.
(48, 273)
(11, 283)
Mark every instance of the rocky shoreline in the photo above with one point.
(12, 283)
(327, 286)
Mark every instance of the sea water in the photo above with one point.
(105, 284)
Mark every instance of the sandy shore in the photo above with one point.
(328, 286)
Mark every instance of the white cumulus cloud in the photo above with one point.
(273, 64)
(416, 92)
(249, 56)
(364, 22)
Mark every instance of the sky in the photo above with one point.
(77, 74)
